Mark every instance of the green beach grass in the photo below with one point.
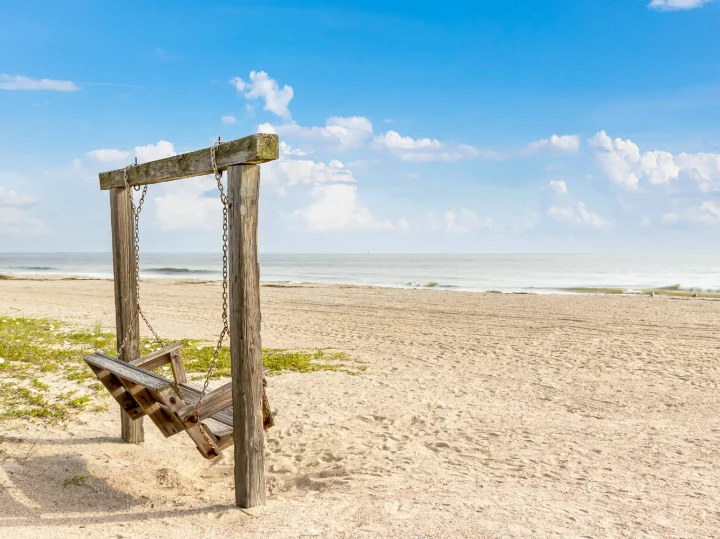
(673, 290)
(44, 377)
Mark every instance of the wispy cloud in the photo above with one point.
(16, 218)
(579, 214)
(337, 207)
(559, 186)
(561, 143)
(166, 56)
(677, 5)
(339, 132)
(19, 82)
(707, 213)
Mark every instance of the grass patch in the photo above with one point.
(198, 358)
(78, 480)
(592, 290)
(673, 290)
(36, 353)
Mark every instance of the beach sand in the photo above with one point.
(480, 415)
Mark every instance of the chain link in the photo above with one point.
(135, 211)
(226, 326)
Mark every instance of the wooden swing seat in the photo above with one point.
(170, 403)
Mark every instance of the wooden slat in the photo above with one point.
(123, 254)
(208, 449)
(118, 392)
(178, 367)
(212, 403)
(164, 419)
(245, 344)
(254, 149)
(158, 358)
(219, 430)
(192, 394)
(128, 372)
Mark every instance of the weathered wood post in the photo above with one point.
(123, 246)
(245, 345)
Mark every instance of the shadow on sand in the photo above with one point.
(40, 491)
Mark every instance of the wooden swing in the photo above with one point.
(172, 405)
(176, 405)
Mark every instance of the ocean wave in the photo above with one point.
(175, 271)
(36, 268)
(430, 284)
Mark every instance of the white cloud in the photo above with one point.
(707, 213)
(266, 128)
(150, 152)
(16, 218)
(704, 168)
(626, 165)
(185, 206)
(18, 82)
(353, 132)
(645, 222)
(426, 149)
(590, 219)
(285, 173)
(229, 120)
(342, 133)
(676, 5)
(562, 143)
(392, 140)
(337, 208)
(286, 149)
(108, 155)
(261, 86)
(559, 186)
(579, 214)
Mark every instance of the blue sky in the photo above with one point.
(526, 126)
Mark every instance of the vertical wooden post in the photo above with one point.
(123, 245)
(245, 345)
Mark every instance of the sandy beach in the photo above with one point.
(479, 415)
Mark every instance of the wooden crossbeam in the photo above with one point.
(255, 149)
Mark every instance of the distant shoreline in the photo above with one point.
(672, 291)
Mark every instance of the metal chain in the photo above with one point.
(138, 311)
(136, 222)
(226, 326)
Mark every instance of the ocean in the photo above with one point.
(539, 273)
